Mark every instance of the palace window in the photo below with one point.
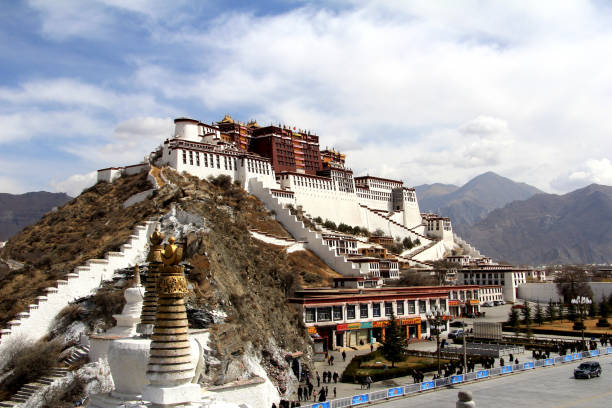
(400, 307)
(323, 314)
(388, 308)
(225, 162)
(350, 312)
(218, 162)
(310, 315)
(432, 304)
(191, 157)
(443, 304)
(205, 159)
(197, 158)
(184, 157)
(363, 311)
(375, 309)
(337, 312)
(411, 307)
(422, 306)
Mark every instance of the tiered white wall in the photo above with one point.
(545, 291)
(300, 232)
(471, 251)
(35, 323)
(374, 221)
(433, 253)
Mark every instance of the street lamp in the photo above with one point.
(581, 302)
(435, 317)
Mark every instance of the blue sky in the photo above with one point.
(423, 91)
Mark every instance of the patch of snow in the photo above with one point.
(138, 197)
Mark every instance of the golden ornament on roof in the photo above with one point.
(172, 254)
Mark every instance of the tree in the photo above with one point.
(539, 315)
(573, 282)
(441, 269)
(571, 312)
(407, 243)
(526, 314)
(604, 310)
(378, 233)
(551, 311)
(395, 346)
(592, 309)
(513, 320)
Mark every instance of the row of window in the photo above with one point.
(338, 313)
(210, 160)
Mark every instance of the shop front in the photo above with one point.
(454, 308)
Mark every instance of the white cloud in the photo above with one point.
(598, 171)
(129, 143)
(11, 185)
(75, 184)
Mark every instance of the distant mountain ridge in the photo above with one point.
(474, 200)
(547, 228)
(20, 210)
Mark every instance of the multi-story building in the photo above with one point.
(341, 244)
(506, 276)
(491, 293)
(350, 317)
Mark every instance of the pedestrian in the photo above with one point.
(334, 392)
(516, 361)
(331, 360)
(299, 392)
(371, 347)
(511, 357)
(314, 395)
(335, 377)
(273, 405)
(343, 355)
(310, 388)
(318, 380)
(369, 381)
(501, 362)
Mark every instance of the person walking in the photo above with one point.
(335, 377)
(314, 395)
(334, 392)
(318, 380)
(343, 355)
(369, 381)
(299, 392)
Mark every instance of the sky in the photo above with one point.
(423, 91)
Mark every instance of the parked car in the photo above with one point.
(455, 333)
(587, 370)
(487, 304)
(499, 302)
(456, 323)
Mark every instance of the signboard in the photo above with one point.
(453, 303)
(395, 392)
(506, 369)
(456, 379)
(567, 357)
(380, 323)
(366, 325)
(342, 327)
(594, 353)
(528, 365)
(609, 350)
(353, 326)
(410, 320)
(549, 361)
(312, 330)
(321, 405)
(482, 374)
(428, 385)
(474, 302)
(577, 356)
(360, 399)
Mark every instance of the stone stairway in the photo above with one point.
(408, 231)
(80, 353)
(417, 251)
(28, 390)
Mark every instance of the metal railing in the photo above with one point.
(399, 391)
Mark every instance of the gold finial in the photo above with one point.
(136, 276)
(157, 237)
(173, 254)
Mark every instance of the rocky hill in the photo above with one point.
(231, 273)
(472, 202)
(549, 228)
(20, 210)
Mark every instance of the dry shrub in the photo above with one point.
(30, 361)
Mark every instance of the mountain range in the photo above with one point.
(474, 200)
(548, 228)
(21, 210)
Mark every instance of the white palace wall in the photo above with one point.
(544, 291)
(35, 323)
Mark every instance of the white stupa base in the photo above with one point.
(185, 395)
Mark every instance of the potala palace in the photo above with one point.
(286, 169)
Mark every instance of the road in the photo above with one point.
(552, 387)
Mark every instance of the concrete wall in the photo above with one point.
(34, 324)
(545, 291)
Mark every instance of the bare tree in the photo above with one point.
(573, 282)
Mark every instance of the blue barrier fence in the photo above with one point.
(394, 392)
